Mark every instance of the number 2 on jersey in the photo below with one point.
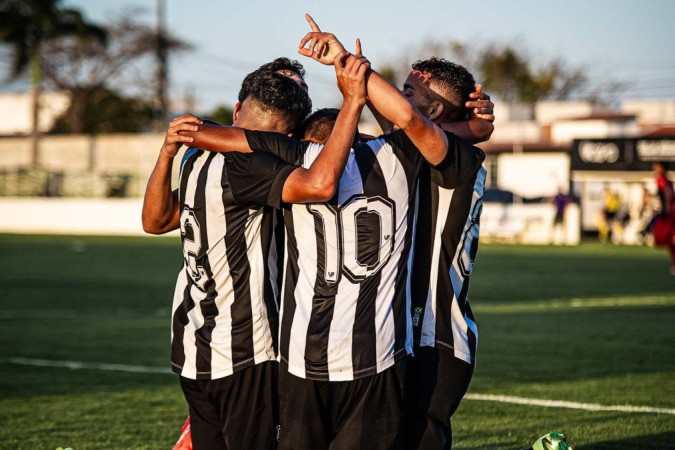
(192, 244)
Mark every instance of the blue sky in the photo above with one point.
(622, 40)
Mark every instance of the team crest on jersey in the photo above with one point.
(416, 316)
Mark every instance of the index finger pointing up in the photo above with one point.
(312, 24)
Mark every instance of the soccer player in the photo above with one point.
(448, 225)
(445, 248)
(345, 327)
(225, 308)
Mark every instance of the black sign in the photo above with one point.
(623, 154)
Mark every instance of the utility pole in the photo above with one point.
(162, 69)
(36, 91)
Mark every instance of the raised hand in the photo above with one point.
(351, 71)
(481, 107)
(323, 47)
(173, 141)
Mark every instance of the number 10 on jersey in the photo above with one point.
(348, 247)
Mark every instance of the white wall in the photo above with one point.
(528, 224)
(71, 216)
(17, 117)
(545, 113)
(566, 131)
(519, 132)
(533, 174)
(651, 111)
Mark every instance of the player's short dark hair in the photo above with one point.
(279, 65)
(452, 81)
(278, 94)
(319, 125)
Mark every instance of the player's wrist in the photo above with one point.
(353, 103)
(169, 153)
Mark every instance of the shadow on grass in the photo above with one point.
(660, 441)
(505, 274)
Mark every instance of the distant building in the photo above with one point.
(17, 118)
(582, 148)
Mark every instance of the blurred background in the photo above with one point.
(584, 94)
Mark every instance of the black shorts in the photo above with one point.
(435, 384)
(359, 414)
(239, 411)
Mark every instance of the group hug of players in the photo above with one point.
(317, 265)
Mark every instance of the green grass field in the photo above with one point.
(589, 324)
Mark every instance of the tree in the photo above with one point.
(26, 26)
(511, 74)
(106, 111)
(506, 70)
(221, 114)
(86, 68)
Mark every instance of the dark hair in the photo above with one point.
(281, 64)
(280, 95)
(451, 81)
(319, 125)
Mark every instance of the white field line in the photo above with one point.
(571, 405)
(76, 365)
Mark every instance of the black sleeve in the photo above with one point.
(257, 179)
(460, 164)
(284, 147)
(402, 144)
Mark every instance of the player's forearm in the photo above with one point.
(474, 130)
(386, 125)
(160, 205)
(388, 101)
(219, 139)
(393, 106)
(321, 180)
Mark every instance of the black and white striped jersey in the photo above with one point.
(446, 243)
(225, 307)
(346, 303)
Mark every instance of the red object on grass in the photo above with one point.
(185, 439)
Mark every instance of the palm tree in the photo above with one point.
(25, 25)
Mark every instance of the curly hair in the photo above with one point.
(319, 125)
(280, 65)
(450, 81)
(277, 94)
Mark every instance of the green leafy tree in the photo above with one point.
(25, 26)
(513, 76)
(221, 114)
(508, 71)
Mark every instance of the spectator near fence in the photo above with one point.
(664, 225)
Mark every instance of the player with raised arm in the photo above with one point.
(446, 243)
(224, 337)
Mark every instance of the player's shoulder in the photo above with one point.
(189, 153)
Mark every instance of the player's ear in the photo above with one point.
(436, 110)
(237, 110)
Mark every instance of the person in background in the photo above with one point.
(559, 202)
(664, 225)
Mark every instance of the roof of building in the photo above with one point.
(530, 147)
(661, 131)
